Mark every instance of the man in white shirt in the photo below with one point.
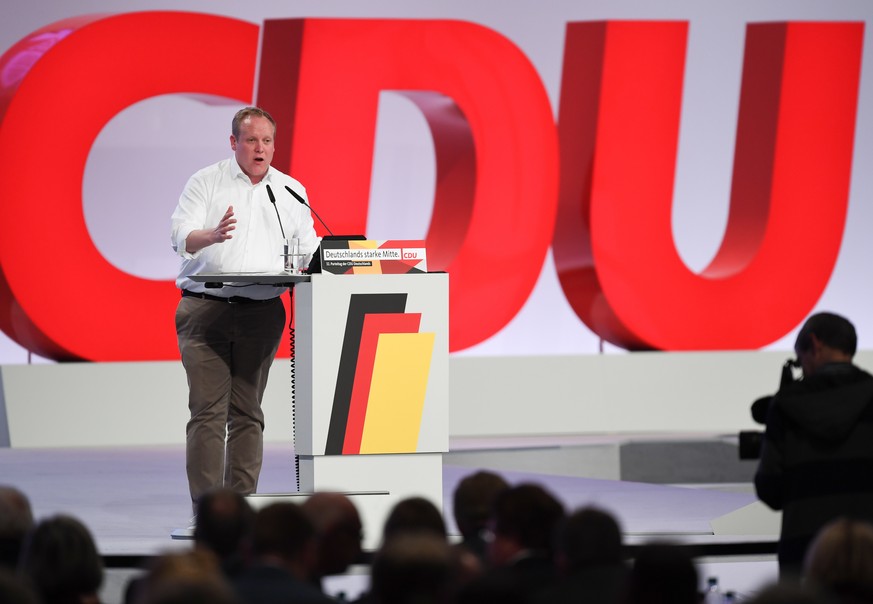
(226, 222)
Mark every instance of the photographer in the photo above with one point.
(817, 456)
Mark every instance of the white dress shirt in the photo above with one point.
(256, 245)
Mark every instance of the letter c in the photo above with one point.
(60, 86)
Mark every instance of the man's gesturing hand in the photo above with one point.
(199, 239)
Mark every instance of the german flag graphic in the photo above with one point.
(381, 380)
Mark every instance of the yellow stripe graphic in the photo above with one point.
(397, 393)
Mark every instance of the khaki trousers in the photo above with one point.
(227, 350)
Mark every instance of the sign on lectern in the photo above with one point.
(371, 257)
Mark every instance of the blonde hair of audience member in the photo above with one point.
(840, 559)
(192, 577)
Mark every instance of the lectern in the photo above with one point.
(370, 388)
(371, 383)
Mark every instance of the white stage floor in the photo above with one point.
(133, 498)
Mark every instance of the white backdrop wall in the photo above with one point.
(141, 160)
(681, 394)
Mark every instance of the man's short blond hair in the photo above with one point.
(246, 113)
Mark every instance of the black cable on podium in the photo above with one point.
(294, 405)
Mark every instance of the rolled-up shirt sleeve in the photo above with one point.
(189, 215)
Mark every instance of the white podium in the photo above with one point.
(371, 386)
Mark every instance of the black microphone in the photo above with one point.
(273, 201)
(303, 201)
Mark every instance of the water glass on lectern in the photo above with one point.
(292, 255)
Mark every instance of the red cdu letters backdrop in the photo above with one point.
(497, 150)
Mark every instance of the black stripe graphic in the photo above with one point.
(359, 306)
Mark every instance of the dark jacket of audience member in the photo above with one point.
(284, 548)
(663, 573)
(524, 520)
(590, 561)
(413, 568)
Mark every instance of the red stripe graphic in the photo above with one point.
(374, 326)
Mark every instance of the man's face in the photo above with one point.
(501, 550)
(809, 359)
(254, 147)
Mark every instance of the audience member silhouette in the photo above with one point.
(285, 558)
(193, 577)
(413, 568)
(417, 515)
(60, 560)
(414, 515)
(410, 516)
(663, 573)
(16, 520)
(538, 556)
(472, 501)
(14, 591)
(590, 560)
(840, 561)
(224, 527)
(524, 521)
(338, 533)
